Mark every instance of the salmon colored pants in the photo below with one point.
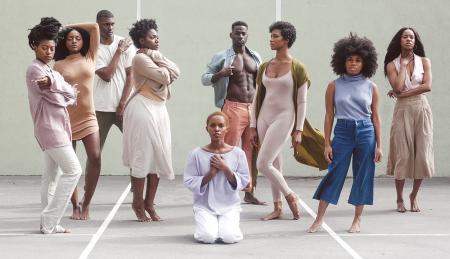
(239, 130)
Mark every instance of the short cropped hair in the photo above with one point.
(288, 31)
(104, 14)
(140, 28)
(354, 45)
(227, 120)
(239, 23)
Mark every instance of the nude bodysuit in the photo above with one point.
(274, 125)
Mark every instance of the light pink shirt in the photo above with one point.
(414, 80)
(48, 106)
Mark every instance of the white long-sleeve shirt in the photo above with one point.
(217, 196)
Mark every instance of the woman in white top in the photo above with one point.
(215, 174)
(146, 127)
(411, 140)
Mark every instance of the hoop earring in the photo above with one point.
(415, 47)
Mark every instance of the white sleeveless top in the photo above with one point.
(414, 80)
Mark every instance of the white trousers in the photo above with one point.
(212, 227)
(61, 174)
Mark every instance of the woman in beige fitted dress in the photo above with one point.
(75, 56)
(411, 140)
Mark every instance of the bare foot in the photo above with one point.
(153, 215)
(76, 213)
(276, 214)
(84, 215)
(251, 199)
(314, 227)
(414, 206)
(356, 226)
(140, 214)
(292, 201)
(401, 207)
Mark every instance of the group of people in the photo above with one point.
(262, 106)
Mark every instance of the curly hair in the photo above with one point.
(354, 45)
(140, 28)
(47, 29)
(62, 52)
(394, 48)
(288, 31)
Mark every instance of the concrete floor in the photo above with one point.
(385, 233)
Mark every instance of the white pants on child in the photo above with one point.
(212, 227)
(61, 174)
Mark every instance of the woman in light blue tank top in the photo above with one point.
(353, 100)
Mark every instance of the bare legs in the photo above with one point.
(413, 195)
(138, 201)
(140, 206)
(356, 224)
(93, 165)
(152, 186)
(323, 205)
(399, 184)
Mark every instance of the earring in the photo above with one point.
(415, 47)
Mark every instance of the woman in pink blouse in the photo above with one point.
(49, 95)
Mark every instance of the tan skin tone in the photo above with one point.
(241, 87)
(217, 127)
(397, 79)
(74, 43)
(140, 205)
(106, 26)
(353, 65)
(279, 66)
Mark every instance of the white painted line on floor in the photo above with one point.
(333, 234)
(41, 235)
(104, 225)
(396, 235)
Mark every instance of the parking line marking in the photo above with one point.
(333, 234)
(104, 225)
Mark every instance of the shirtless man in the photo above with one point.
(232, 73)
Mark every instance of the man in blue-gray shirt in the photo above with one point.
(232, 73)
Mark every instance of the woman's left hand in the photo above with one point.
(378, 155)
(219, 162)
(296, 138)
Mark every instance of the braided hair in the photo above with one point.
(47, 29)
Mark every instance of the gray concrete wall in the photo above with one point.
(191, 31)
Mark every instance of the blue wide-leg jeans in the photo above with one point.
(357, 139)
